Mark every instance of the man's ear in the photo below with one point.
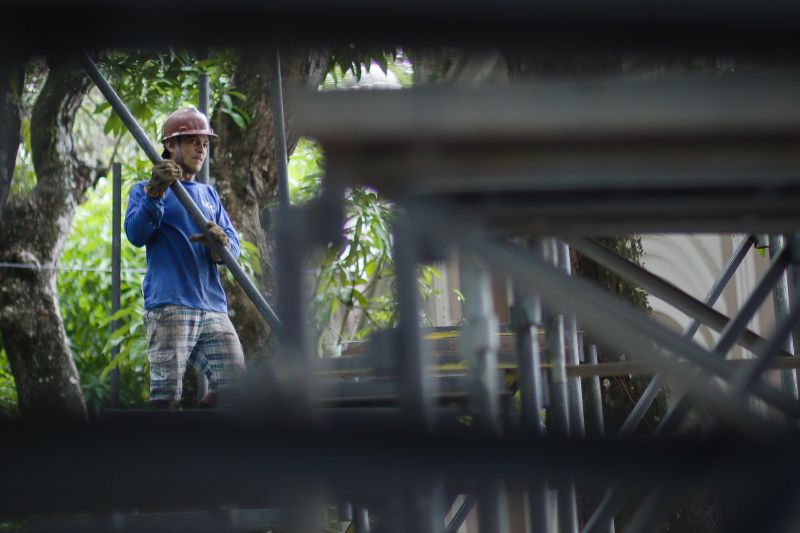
(169, 145)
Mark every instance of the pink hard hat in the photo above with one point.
(186, 121)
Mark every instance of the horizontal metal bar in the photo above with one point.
(213, 521)
(456, 366)
(637, 368)
(56, 469)
(577, 158)
(180, 192)
(749, 25)
(719, 111)
(668, 292)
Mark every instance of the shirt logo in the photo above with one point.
(208, 205)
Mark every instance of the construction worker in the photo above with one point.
(185, 306)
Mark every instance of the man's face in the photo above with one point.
(194, 149)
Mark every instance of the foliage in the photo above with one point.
(354, 283)
(393, 65)
(355, 58)
(354, 286)
(154, 83)
(24, 178)
(84, 286)
(8, 390)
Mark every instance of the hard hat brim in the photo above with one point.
(190, 132)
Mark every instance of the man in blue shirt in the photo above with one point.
(185, 306)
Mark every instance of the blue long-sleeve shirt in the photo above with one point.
(179, 271)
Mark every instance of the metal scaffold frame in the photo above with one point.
(559, 164)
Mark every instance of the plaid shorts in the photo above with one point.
(178, 335)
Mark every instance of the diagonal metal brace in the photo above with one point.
(599, 311)
(668, 292)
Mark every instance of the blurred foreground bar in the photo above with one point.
(109, 465)
(692, 155)
(747, 25)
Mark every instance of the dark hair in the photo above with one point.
(165, 154)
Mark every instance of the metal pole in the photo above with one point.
(279, 129)
(574, 388)
(664, 290)
(427, 507)
(658, 498)
(478, 344)
(559, 411)
(780, 298)
(602, 314)
(654, 387)
(203, 107)
(492, 507)
(463, 512)
(417, 389)
(557, 373)
(751, 372)
(596, 424)
(203, 177)
(361, 520)
(526, 317)
(614, 501)
(180, 192)
(296, 360)
(116, 263)
(792, 242)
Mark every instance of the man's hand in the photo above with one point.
(164, 173)
(216, 233)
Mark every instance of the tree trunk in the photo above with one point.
(11, 79)
(34, 231)
(245, 169)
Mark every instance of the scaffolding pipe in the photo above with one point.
(792, 242)
(734, 328)
(595, 427)
(279, 129)
(361, 520)
(478, 344)
(577, 425)
(296, 361)
(559, 411)
(203, 177)
(203, 102)
(180, 192)
(780, 299)
(461, 515)
(598, 311)
(654, 387)
(664, 290)
(654, 506)
(417, 389)
(750, 372)
(116, 269)
(526, 318)
(492, 507)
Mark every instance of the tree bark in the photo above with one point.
(11, 79)
(34, 231)
(245, 169)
